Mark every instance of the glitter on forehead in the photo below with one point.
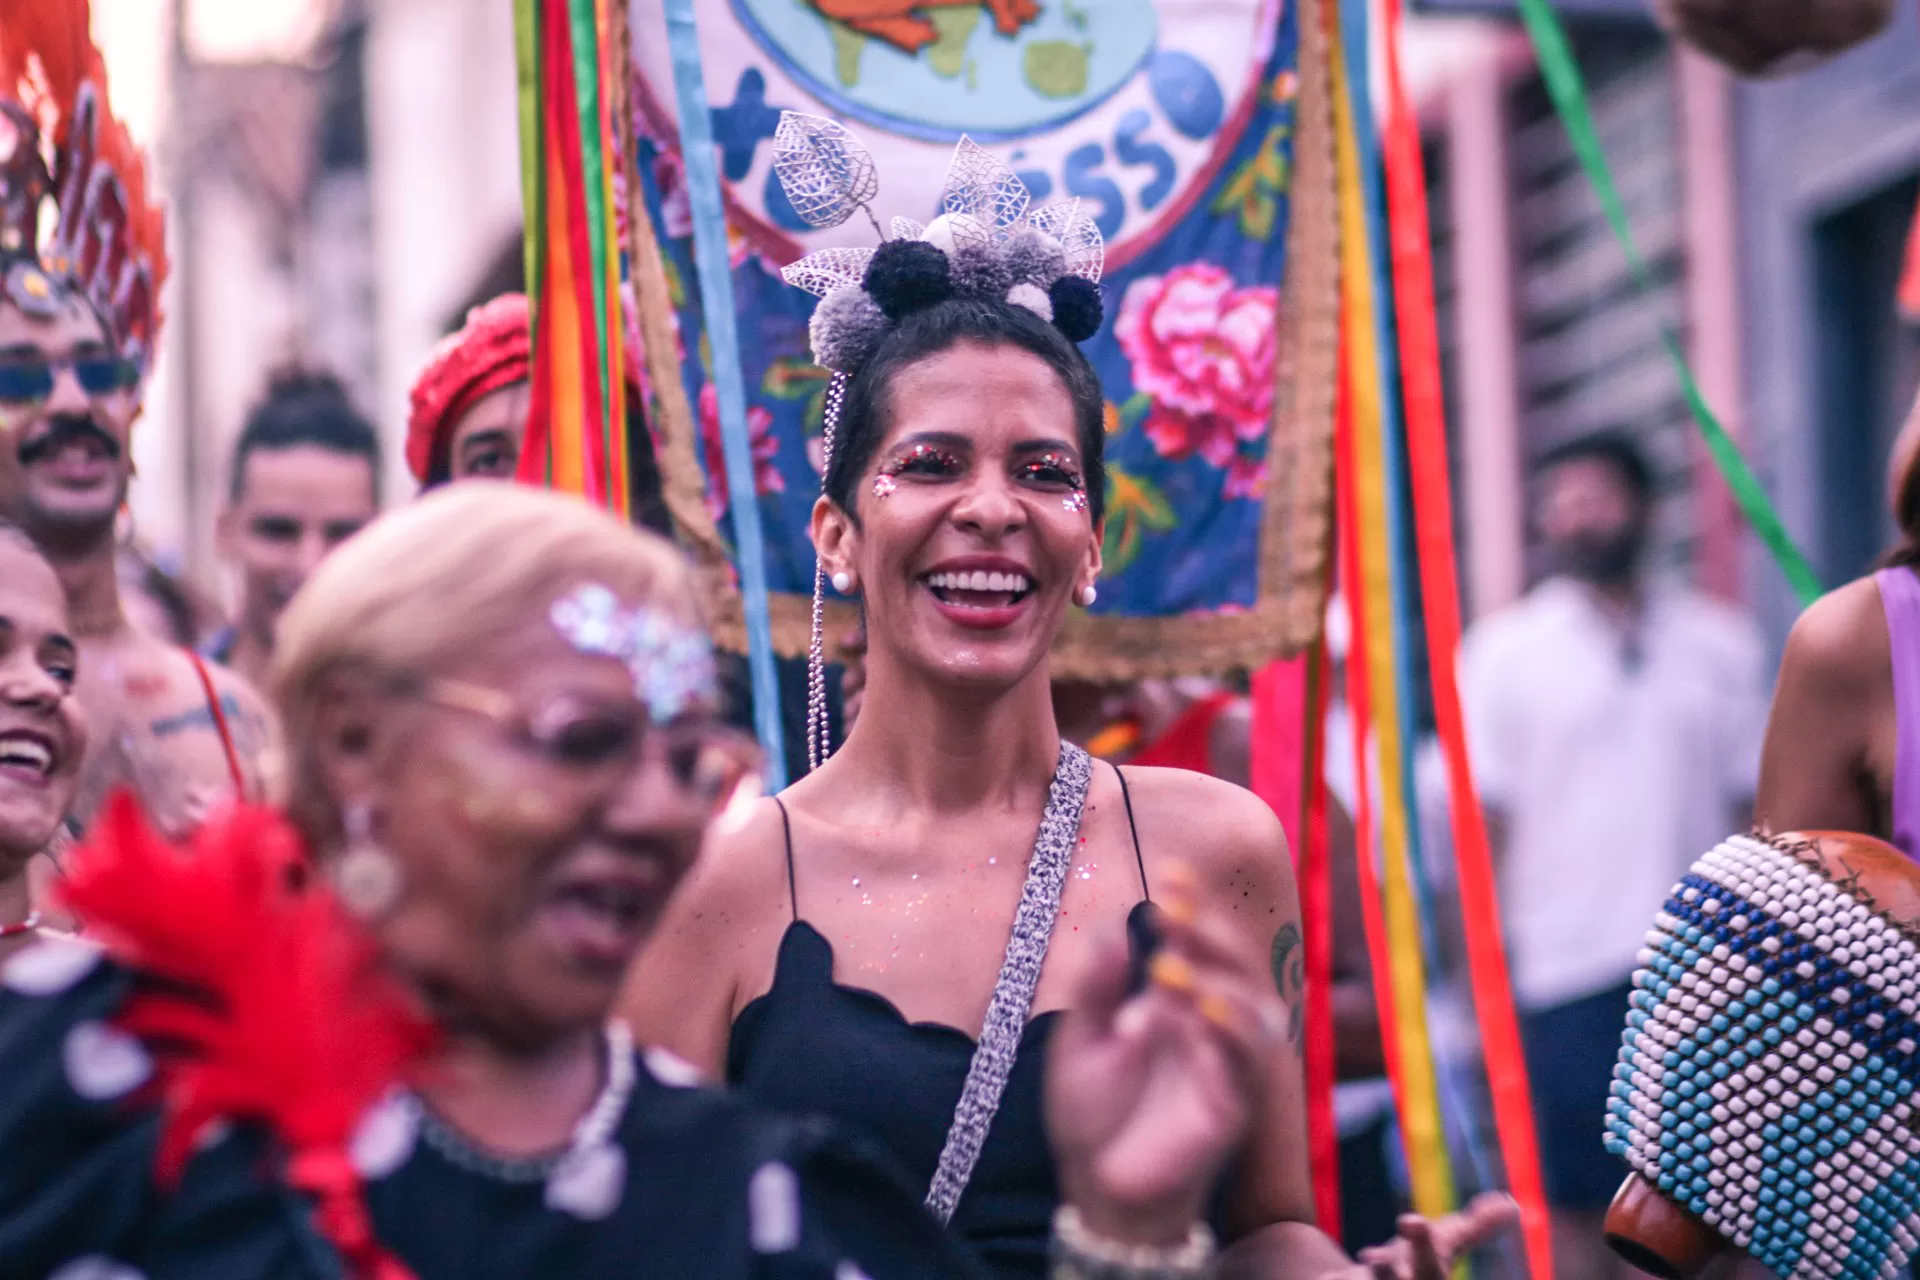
(671, 663)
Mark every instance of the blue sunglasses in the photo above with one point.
(24, 381)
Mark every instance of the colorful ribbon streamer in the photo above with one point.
(1561, 72)
(1358, 40)
(1370, 594)
(1440, 592)
(1287, 770)
(723, 338)
(569, 149)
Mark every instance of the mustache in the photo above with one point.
(62, 431)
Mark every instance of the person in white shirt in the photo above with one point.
(1614, 727)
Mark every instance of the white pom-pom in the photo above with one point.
(1033, 298)
(951, 230)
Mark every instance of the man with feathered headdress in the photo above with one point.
(79, 316)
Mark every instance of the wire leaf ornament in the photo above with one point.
(981, 186)
(824, 270)
(1079, 237)
(826, 172)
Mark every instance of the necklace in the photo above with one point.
(19, 927)
(585, 1178)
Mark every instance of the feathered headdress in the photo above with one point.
(60, 142)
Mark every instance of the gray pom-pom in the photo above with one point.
(980, 271)
(1035, 257)
(845, 329)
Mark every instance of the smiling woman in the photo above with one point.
(42, 732)
(841, 945)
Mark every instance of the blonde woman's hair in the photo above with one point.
(411, 591)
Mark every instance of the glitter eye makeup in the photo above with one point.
(1076, 501)
(921, 459)
(1053, 469)
(884, 484)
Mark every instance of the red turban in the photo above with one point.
(492, 350)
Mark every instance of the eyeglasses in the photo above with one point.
(25, 380)
(600, 744)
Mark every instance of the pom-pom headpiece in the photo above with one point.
(989, 243)
(60, 142)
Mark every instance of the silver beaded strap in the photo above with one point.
(1019, 975)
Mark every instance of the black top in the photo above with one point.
(712, 1187)
(811, 1045)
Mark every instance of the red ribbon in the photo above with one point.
(1440, 590)
(1287, 771)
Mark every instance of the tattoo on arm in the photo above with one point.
(200, 717)
(249, 734)
(1290, 977)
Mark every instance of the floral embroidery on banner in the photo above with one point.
(766, 473)
(1203, 350)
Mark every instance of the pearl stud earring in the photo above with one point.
(843, 582)
(1087, 595)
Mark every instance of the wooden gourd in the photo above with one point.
(1769, 37)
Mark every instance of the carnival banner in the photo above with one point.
(1194, 135)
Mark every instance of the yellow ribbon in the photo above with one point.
(1417, 1089)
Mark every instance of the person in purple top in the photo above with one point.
(1842, 749)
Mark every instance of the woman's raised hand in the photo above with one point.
(1426, 1249)
(1151, 1091)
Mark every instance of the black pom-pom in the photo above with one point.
(905, 276)
(1077, 310)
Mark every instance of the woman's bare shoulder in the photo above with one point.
(741, 871)
(1229, 836)
(1840, 647)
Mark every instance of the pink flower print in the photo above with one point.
(766, 475)
(1204, 351)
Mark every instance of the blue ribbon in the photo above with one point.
(1355, 41)
(723, 338)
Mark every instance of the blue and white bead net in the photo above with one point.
(1769, 1065)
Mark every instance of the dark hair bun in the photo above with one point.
(1077, 310)
(905, 276)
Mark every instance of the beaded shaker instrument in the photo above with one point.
(1765, 1091)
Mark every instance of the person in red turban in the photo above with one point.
(468, 409)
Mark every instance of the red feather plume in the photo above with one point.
(271, 1007)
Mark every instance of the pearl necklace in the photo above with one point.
(594, 1129)
(587, 1179)
(19, 927)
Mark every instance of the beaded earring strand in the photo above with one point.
(819, 743)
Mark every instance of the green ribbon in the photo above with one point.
(1569, 94)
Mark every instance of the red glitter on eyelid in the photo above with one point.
(920, 453)
(1059, 462)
